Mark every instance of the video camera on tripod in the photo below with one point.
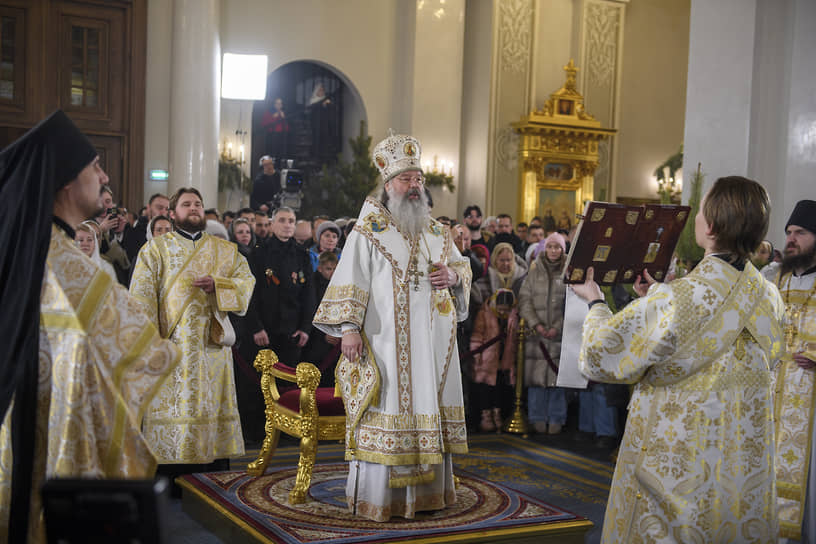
(291, 194)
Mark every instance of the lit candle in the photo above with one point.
(229, 150)
(242, 153)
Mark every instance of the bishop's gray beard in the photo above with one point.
(411, 216)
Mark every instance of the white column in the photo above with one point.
(194, 98)
(436, 117)
(750, 106)
(719, 89)
(800, 133)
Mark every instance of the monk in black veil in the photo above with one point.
(78, 361)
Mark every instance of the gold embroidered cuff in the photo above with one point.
(342, 304)
(226, 295)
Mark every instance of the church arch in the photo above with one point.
(316, 124)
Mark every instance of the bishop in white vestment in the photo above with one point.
(396, 296)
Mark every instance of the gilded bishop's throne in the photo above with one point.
(309, 412)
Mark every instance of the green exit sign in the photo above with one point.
(159, 175)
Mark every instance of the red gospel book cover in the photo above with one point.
(619, 241)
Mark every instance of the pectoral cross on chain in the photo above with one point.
(791, 326)
(414, 271)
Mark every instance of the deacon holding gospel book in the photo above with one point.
(697, 458)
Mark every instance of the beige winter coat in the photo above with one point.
(541, 300)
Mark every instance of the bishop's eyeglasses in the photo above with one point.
(407, 179)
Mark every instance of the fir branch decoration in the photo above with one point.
(231, 177)
(673, 163)
(339, 190)
(438, 179)
(688, 252)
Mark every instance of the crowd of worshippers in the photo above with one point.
(709, 427)
(517, 274)
(516, 268)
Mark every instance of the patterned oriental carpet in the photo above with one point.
(511, 490)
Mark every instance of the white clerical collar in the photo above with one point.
(807, 272)
(194, 236)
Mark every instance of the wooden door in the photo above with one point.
(86, 57)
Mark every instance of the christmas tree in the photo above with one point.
(339, 190)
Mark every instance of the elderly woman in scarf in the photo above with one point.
(494, 335)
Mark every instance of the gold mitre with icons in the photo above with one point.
(397, 154)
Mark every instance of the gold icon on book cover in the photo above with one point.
(609, 277)
(577, 274)
(597, 214)
(601, 253)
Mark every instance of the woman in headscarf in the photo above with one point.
(241, 233)
(158, 226)
(247, 380)
(87, 239)
(505, 270)
(494, 335)
(215, 228)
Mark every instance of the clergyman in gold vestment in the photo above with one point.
(795, 377)
(188, 281)
(84, 360)
(696, 464)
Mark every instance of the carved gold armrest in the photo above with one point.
(267, 363)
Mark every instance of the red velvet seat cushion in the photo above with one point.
(327, 403)
(284, 368)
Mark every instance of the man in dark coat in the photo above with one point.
(266, 185)
(134, 237)
(280, 313)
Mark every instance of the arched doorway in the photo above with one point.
(310, 112)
